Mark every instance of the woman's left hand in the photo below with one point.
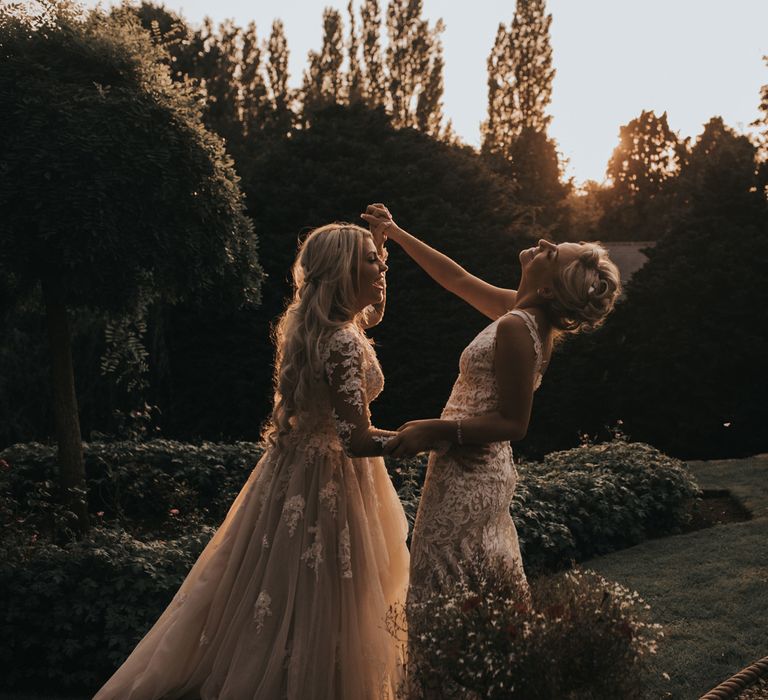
(413, 437)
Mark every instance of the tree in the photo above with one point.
(372, 68)
(515, 140)
(171, 31)
(354, 74)
(277, 72)
(763, 120)
(112, 193)
(254, 101)
(444, 193)
(520, 75)
(429, 106)
(680, 361)
(414, 67)
(641, 169)
(323, 79)
(647, 156)
(721, 177)
(535, 166)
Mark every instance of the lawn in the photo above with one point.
(708, 588)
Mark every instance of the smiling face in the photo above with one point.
(542, 262)
(370, 275)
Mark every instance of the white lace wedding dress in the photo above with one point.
(463, 514)
(289, 598)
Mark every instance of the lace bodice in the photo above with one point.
(475, 392)
(341, 419)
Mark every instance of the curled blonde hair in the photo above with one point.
(325, 288)
(585, 290)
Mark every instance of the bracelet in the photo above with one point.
(459, 436)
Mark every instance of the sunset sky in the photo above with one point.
(693, 58)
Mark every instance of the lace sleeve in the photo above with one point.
(345, 367)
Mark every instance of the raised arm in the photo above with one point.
(486, 298)
(344, 368)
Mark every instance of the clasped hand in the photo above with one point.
(413, 437)
(380, 221)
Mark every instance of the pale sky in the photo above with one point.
(693, 59)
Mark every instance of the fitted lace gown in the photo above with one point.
(289, 598)
(463, 514)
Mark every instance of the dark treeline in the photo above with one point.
(680, 363)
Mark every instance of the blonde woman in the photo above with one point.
(463, 515)
(289, 598)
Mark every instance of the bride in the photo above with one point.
(290, 597)
(463, 514)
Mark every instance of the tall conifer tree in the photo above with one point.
(354, 75)
(373, 70)
(413, 53)
(254, 101)
(277, 73)
(520, 75)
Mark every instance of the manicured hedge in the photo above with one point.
(75, 609)
(70, 614)
(599, 498)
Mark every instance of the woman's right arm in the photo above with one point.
(486, 298)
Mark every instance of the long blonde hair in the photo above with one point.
(585, 290)
(325, 289)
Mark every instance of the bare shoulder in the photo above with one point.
(511, 324)
(513, 339)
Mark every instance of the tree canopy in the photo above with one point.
(681, 360)
(112, 192)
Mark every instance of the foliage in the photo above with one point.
(643, 170)
(159, 485)
(582, 502)
(144, 206)
(372, 66)
(220, 359)
(680, 361)
(103, 208)
(520, 75)
(573, 505)
(242, 86)
(324, 82)
(72, 613)
(762, 121)
(155, 504)
(414, 63)
(515, 141)
(594, 499)
(579, 636)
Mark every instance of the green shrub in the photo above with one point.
(78, 608)
(578, 636)
(159, 486)
(72, 613)
(574, 504)
(596, 499)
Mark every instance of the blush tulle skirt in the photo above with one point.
(292, 597)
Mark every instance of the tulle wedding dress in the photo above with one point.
(290, 598)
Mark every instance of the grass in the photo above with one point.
(708, 588)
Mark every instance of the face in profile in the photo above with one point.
(370, 277)
(542, 262)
